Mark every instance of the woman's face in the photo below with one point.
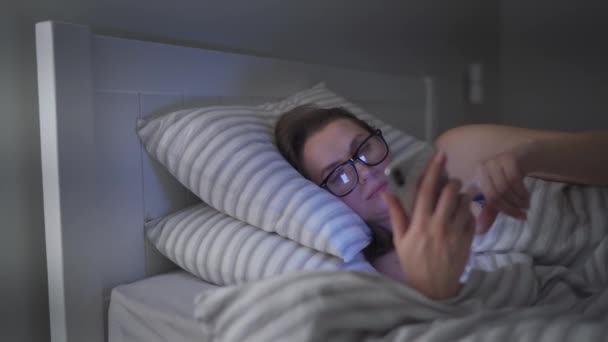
(335, 144)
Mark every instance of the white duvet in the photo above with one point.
(540, 280)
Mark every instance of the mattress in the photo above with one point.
(159, 308)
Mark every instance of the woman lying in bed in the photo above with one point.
(347, 157)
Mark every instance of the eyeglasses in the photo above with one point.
(343, 179)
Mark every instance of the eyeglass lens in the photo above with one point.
(344, 178)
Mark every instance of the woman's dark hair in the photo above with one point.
(296, 126)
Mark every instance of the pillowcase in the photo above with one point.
(225, 251)
(226, 155)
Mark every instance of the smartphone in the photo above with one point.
(404, 175)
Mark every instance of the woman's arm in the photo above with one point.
(575, 158)
(561, 156)
(493, 160)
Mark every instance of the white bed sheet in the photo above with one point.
(159, 308)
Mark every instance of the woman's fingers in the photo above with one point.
(461, 231)
(399, 219)
(507, 207)
(516, 181)
(520, 188)
(502, 183)
(463, 218)
(499, 190)
(427, 194)
(467, 232)
(460, 227)
(448, 202)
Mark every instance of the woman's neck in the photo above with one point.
(386, 225)
(385, 222)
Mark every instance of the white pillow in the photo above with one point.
(225, 251)
(226, 156)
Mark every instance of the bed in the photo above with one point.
(143, 310)
(543, 279)
(100, 186)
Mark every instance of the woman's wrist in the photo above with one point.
(437, 291)
(446, 293)
(528, 156)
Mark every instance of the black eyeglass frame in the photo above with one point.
(353, 159)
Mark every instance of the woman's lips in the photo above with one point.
(380, 189)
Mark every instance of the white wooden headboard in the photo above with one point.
(100, 186)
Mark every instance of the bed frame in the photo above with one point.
(100, 186)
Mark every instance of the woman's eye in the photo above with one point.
(339, 178)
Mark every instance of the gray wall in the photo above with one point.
(413, 37)
(553, 64)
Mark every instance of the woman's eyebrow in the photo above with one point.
(353, 145)
(330, 167)
(357, 140)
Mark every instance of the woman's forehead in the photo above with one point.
(344, 128)
(331, 144)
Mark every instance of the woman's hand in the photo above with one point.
(501, 180)
(434, 247)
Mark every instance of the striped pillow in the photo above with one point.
(226, 156)
(225, 251)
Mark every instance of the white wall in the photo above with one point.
(553, 64)
(416, 36)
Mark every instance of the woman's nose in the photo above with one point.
(363, 171)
